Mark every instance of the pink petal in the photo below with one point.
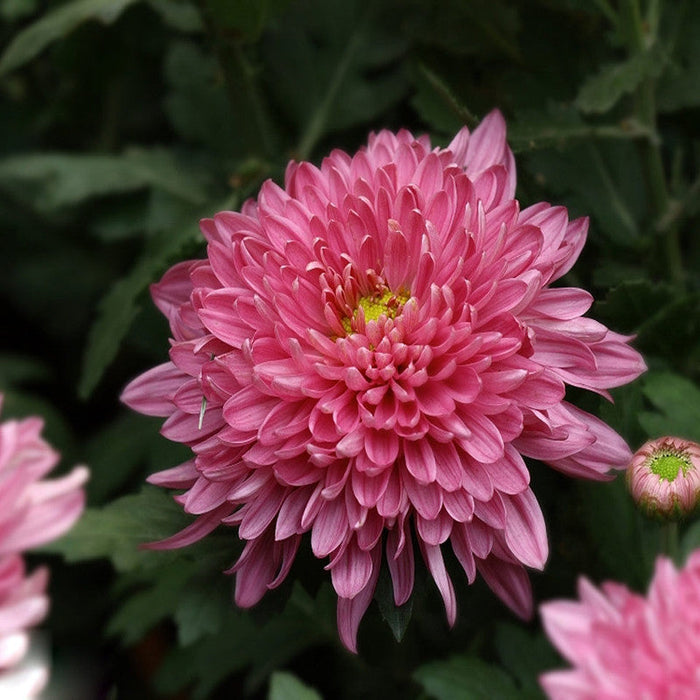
(152, 392)
(525, 531)
(401, 565)
(510, 583)
(352, 572)
(350, 611)
(433, 558)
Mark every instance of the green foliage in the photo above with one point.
(56, 24)
(178, 14)
(677, 404)
(465, 678)
(396, 616)
(15, 9)
(148, 606)
(121, 304)
(631, 303)
(247, 18)
(16, 369)
(196, 105)
(678, 89)
(53, 181)
(436, 103)
(625, 543)
(285, 686)
(119, 530)
(335, 47)
(240, 643)
(525, 656)
(691, 541)
(616, 204)
(602, 91)
(139, 444)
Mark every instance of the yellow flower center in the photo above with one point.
(388, 303)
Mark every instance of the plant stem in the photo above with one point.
(317, 122)
(243, 90)
(670, 537)
(640, 39)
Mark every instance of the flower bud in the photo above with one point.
(664, 477)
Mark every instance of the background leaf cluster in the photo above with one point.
(122, 123)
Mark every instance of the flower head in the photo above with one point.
(664, 477)
(366, 355)
(623, 645)
(33, 511)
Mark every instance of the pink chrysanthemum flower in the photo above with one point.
(367, 354)
(624, 646)
(664, 477)
(33, 511)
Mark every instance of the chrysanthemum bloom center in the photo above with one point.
(667, 462)
(388, 304)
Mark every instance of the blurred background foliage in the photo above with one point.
(123, 122)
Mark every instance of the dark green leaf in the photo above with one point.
(525, 655)
(335, 47)
(602, 91)
(16, 9)
(465, 678)
(436, 103)
(18, 369)
(178, 14)
(304, 622)
(58, 180)
(631, 303)
(285, 686)
(593, 187)
(134, 443)
(206, 664)
(201, 607)
(559, 127)
(485, 27)
(197, 104)
(622, 414)
(397, 617)
(145, 608)
(245, 18)
(239, 642)
(118, 531)
(117, 311)
(691, 540)
(673, 330)
(119, 307)
(626, 544)
(678, 406)
(678, 87)
(54, 25)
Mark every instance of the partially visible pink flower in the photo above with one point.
(23, 604)
(664, 477)
(624, 646)
(367, 354)
(33, 511)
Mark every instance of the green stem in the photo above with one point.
(242, 87)
(319, 118)
(670, 538)
(638, 39)
(633, 27)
